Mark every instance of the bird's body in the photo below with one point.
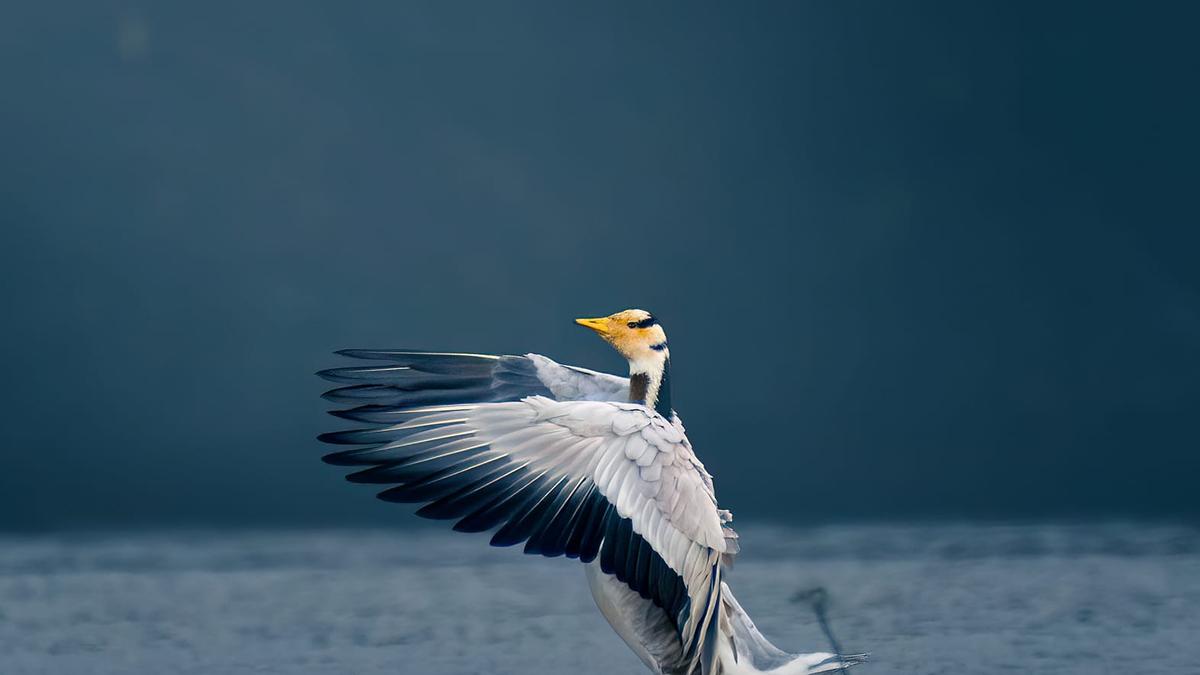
(574, 463)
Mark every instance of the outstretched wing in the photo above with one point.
(416, 378)
(586, 479)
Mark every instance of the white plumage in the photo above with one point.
(560, 458)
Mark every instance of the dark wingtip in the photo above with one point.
(353, 392)
(340, 459)
(504, 539)
(366, 354)
(397, 495)
(369, 413)
(339, 437)
(375, 354)
(465, 525)
(366, 476)
(432, 512)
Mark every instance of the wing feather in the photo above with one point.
(582, 479)
(417, 379)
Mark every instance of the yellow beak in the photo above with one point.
(599, 325)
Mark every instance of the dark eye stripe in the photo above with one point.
(644, 323)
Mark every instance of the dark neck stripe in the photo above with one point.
(660, 346)
(639, 388)
(663, 405)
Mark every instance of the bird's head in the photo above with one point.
(636, 334)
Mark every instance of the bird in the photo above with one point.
(571, 463)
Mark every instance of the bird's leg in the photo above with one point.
(819, 598)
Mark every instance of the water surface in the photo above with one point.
(1078, 600)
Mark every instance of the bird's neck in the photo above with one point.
(650, 384)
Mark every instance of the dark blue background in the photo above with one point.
(915, 259)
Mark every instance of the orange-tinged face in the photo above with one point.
(634, 333)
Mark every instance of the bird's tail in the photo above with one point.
(742, 650)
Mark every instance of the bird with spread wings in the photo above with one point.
(569, 462)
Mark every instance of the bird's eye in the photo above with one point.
(632, 324)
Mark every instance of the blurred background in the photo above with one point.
(920, 262)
